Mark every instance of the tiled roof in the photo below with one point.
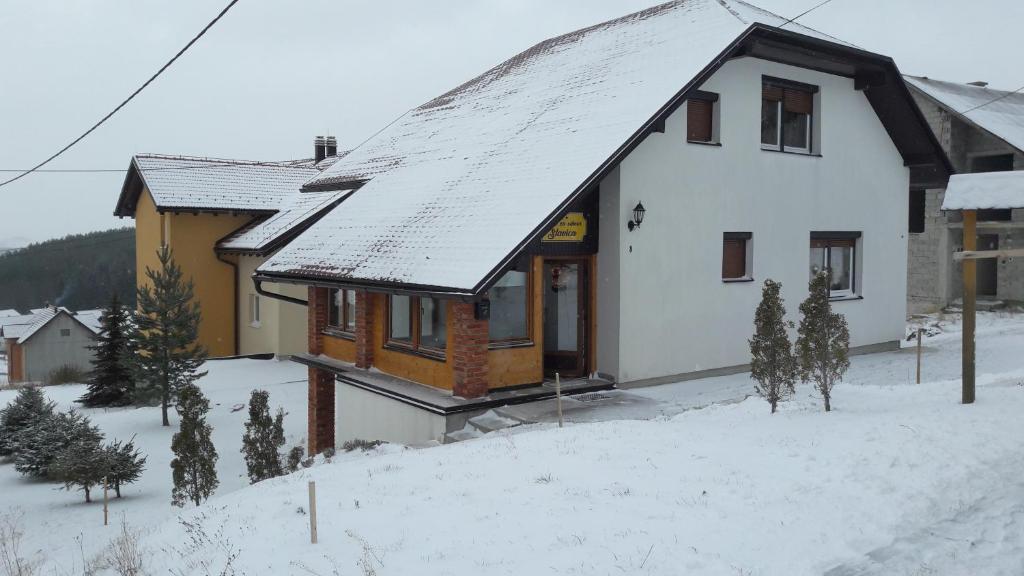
(41, 319)
(13, 326)
(1003, 118)
(299, 209)
(457, 184)
(184, 182)
(9, 312)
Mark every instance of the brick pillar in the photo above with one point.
(320, 415)
(469, 351)
(364, 329)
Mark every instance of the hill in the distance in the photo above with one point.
(79, 271)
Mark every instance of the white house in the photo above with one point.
(605, 206)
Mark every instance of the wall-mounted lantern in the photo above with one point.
(638, 217)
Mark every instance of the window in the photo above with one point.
(341, 311)
(425, 330)
(700, 117)
(787, 113)
(836, 253)
(510, 308)
(254, 310)
(993, 163)
(917, 208)
(736, 256)
(65, 332)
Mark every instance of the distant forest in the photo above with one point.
(79, 272)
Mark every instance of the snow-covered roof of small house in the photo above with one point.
(999, 112)
(91, 319)
(190, 183)
(12, 326)
(985, 191)
(299, 211)
(456, 188)
(9, 312)
(42, 319)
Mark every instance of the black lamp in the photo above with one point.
(638, 217)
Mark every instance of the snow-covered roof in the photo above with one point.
(985, 190)
(44, 317)
(192, 183)
(9, 312)
(1003, 118)
(456, 185)
(90, 318)
(299, 209)
(12, 326)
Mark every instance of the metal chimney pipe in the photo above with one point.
(319, 148)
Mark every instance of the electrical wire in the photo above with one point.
(126, 100)
(805, 12)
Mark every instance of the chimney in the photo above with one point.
(319, 148)
(978, 83)
(332, 146)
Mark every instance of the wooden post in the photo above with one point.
(105, 500)
(558, 396)
(312, 512)
(970, 300)
(919, 330)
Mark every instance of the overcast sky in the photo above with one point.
(272, 75)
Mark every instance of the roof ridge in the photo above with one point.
(967, 85)
(296, 163)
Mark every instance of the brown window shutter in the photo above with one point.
(798, 101)
(833, 242)
(734, 258)
(698, 120)
(771, 92)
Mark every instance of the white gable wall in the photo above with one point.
(47, 350)
(675, 315)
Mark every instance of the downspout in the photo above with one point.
(259, 290)
(234, 296)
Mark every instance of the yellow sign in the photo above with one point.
(572, 228)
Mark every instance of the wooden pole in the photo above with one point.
(105, 500)
(312, 512)
(558, 396)
(919, 330)
(970, 300)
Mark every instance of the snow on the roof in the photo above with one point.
(187, 182)
(91, 319)
(984, 191)
(1004, 118)
(9, 325)
(42, 319)
(298, 208)
(9, 312)
(457, 183)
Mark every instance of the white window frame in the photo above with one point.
(850, 292)
(778, 128)
(794, 149)
(780, 112)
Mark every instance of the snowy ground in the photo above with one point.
(899, 479)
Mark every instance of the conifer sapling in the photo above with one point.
(193, 468)
(772, 364)
(823, 342)
(82, 464)
(263, 437)
(125, 464)
(27, 409)
(110, 382)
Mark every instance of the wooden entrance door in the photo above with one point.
(566, 310)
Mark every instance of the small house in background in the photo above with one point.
(44, 343)
(222, 219)
(981, 130)
(9, 313)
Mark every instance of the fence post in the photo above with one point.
(919, 330)
(558, 396)
(312, 512)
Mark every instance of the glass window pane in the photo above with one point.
(794, 130)
(509, 307)
(770, 122)
(433, 325)
(334, 308)
(817, 261)
(841, 264)
(350, 310)
(400, 319)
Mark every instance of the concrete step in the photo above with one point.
(490, 421)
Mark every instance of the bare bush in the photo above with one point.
(12, 559)
(124, 553)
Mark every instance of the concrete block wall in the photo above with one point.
(926, 259)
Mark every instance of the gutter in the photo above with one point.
(258, 281)
(234, 296)
(371, 286)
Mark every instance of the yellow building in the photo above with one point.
(222, 219)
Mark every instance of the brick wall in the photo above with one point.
(469, 352)
(320, 404)
(364, 329)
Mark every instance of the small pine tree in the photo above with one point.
(823, 342)
(27, 409)
(111, 381)
(125, 464)
(262, 439)
(295, 458)
(39, 445)
(166, 354)
(772, 364)
(82, 464)
(194, 465)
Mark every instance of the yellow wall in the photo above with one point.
(192, 238)
(524, 364)
(282, 326)
(340, 348)
(436, 373)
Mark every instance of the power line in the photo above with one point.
(805, 12)
(126, 100)
(997, 99)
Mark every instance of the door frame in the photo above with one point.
(585, 316)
